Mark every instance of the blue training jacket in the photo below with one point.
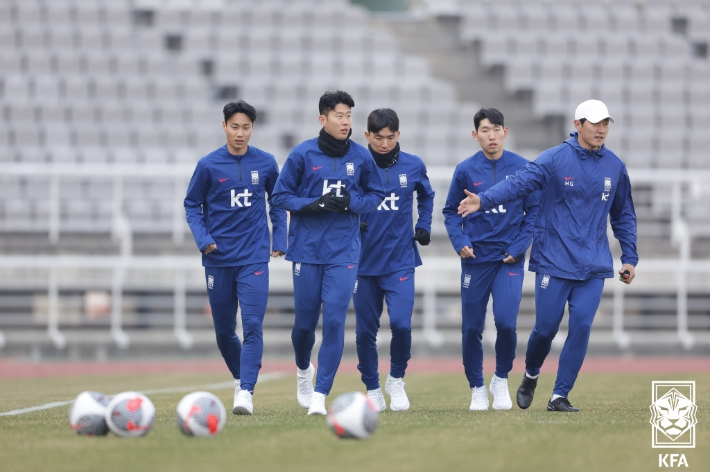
(579, 190)
(226, 205)
(503, 229)
(388, 245)
(308, 174)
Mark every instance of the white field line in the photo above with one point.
(215, 386)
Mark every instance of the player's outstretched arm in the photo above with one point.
(470, 204)
(532, 177)
(194, 201)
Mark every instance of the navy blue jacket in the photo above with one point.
(580, 189)
(226, 205)
(308, 174)
(503, 229)
(388, 245)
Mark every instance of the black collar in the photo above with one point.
(331, 146)
(385, 160)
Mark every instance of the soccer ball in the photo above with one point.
(201, 414)
(352, 415)
(130, 414)
(87, 415)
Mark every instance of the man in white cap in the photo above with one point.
(582, 183)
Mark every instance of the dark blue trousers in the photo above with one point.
(478, 283)
(329, 285)
(247, 287)
(397, 290)
(551, 295)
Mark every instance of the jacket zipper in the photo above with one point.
(240, 168)
(334, 163)
(387, 173)
(495, 176)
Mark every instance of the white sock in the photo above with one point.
(555, 397)
(302, 373)
(531, 376)
(237, 383)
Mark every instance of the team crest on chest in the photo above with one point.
(607, 184)
(350, 168)
(255, 177)
(402, 180)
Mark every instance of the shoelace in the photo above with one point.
(376, 397)
(480, 394)
(305, 384)
(500, 388)
(397, 388)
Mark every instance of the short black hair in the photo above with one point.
(582, 120)
(329, 100)
(493, 115)
(239, 107)
(382, 118)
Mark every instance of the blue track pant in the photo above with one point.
(551, 295)
(397, 289)
(248, 287)
(478, 283)
(330, 285)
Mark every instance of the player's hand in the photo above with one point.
(277, 253)
(466, 252)
(345, 199)
(328, 202)
(210, 248)
(363, 227)
(422, 236)
(470, 204)
(632, 273)
(509, 259)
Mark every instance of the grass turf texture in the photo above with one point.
(612, 433)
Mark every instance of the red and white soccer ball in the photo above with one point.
(352, 415)
(201, 414)
(87, 415)
(130, 414)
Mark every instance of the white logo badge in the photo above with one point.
(355, 289)
(350, 168)
(255, 177)
(392, 199)
(210, 281)
(402, 180)
(545, 281)
(673, 414)
(327, 187)
(466, 280)
(241, 195)
(607, 184)
(297, 268)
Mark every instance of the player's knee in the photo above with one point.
(333, 324)
(505, 327)
(252, 326)
(400, 326)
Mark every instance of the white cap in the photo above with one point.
(593, 111)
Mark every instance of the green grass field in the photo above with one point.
(612, 433)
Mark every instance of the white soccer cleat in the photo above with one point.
(479, 399)
(237, 388)
(398, 397)
(243, 404)
(377, 399)
(304, 389)
(317, 406)
(501, 395)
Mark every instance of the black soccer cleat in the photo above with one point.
(526, 392)
(560, 404)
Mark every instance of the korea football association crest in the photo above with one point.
(607, 184)
(297, 268)
(355, 289)
(466, 280)
(255, 177)
(350, 168)
(402, 180)
(673, 414)
(545, 281)
(210, 282)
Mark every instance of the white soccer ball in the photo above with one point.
(130, 414)
(352, 415)
(87, 415)
(201, 414)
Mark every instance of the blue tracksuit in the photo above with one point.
(505, 229)
(225, 205)
(324, 247)
(580, 189)
(386, 271)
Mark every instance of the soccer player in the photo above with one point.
(492, 247)
(226, 211)
(389, 256)
(325, 183)
(582, 183)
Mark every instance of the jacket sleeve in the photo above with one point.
(373, 191)
(425, 200)
(195, 202)
(452, 220)
(284, 195)
(531, 207)
(277, 215)
(533, 176)
(622, 217)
